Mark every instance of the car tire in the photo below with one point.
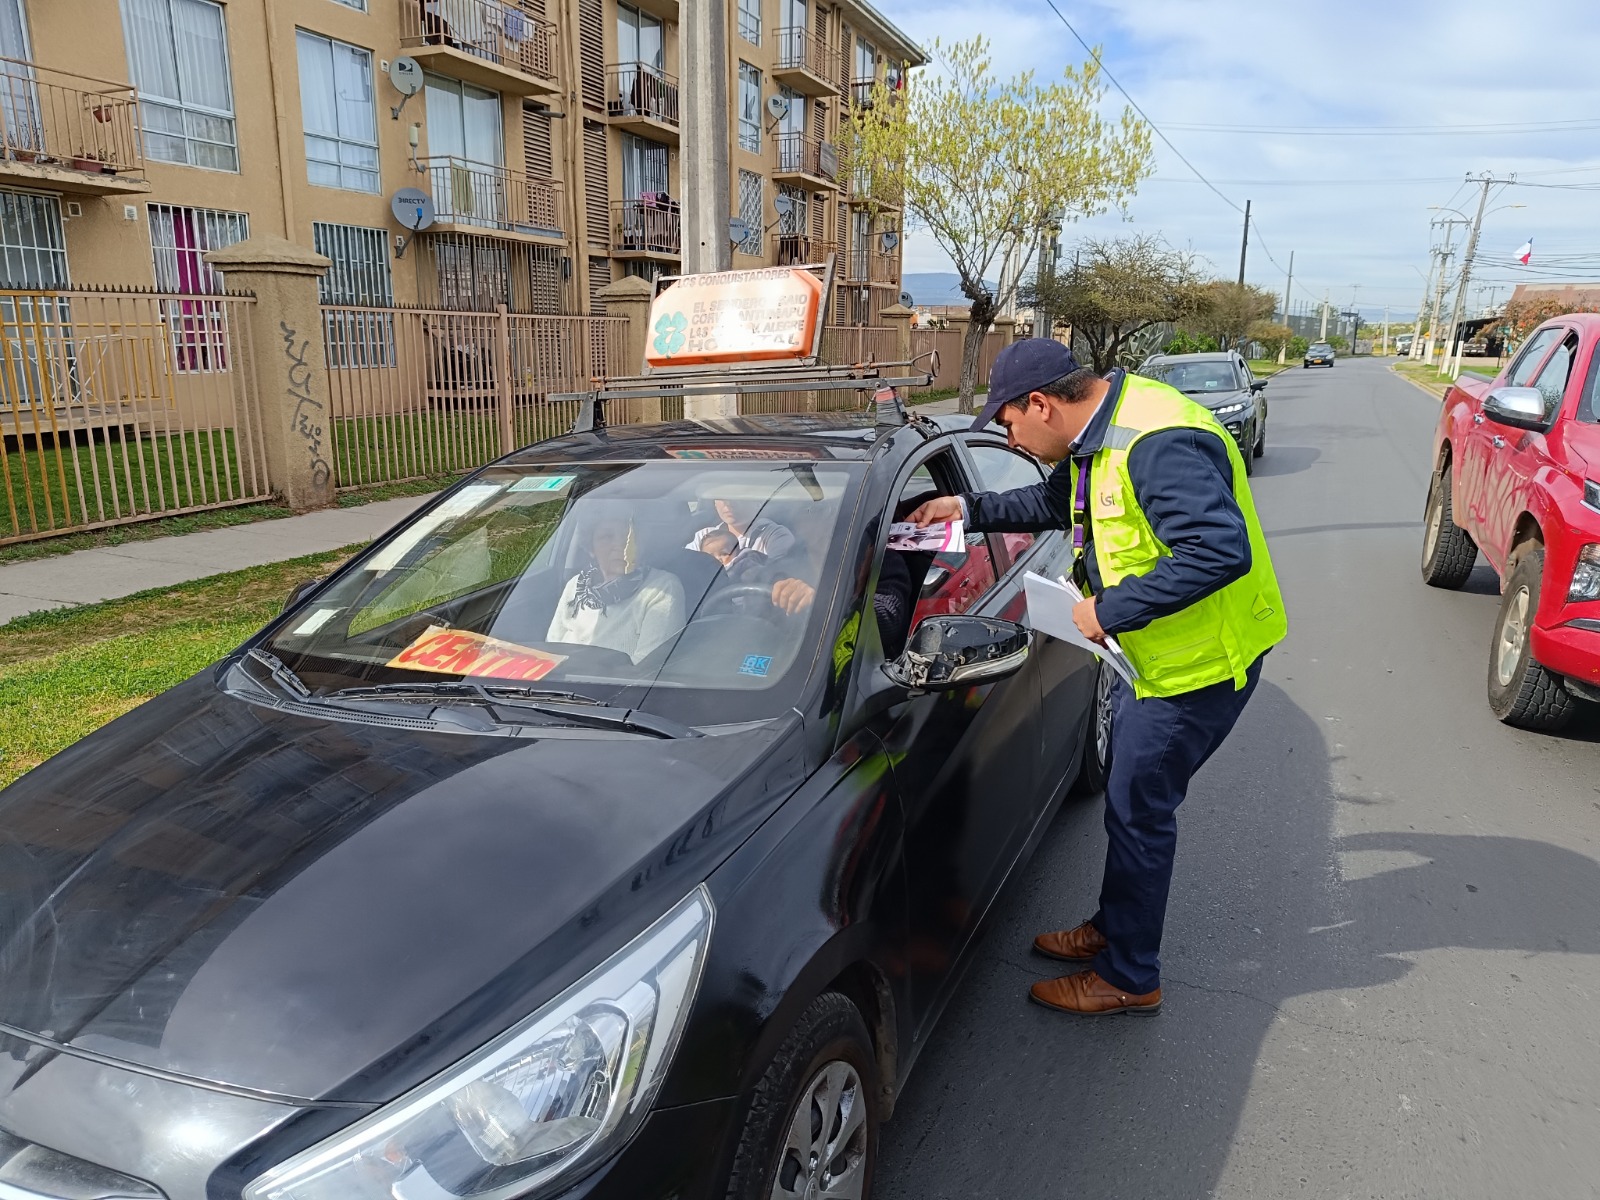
(820, 1090)
(1249, 462)
(1521, 692)
(1448, 551)
(1094, 769)
(1260, 447)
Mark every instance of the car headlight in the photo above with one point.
(1591, 494)
(536, 1105)
(1229, 410)
(1586, 575)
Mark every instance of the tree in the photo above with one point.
(986, 165)
(1338, 342)
(1119, 287)
(1274, 337)
(1524, 314)
(1298, 346)
(1230, 309)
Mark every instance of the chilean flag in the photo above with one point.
(1525, 252)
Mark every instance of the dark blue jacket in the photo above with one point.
(1183, 481)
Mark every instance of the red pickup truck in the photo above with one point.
(1517, 476)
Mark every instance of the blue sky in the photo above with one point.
(1353, 202)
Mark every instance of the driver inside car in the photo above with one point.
(614, 602)
(750, 530)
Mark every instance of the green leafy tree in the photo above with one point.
(1274, 337)
(1230, 309)
(1119, 288)
(1184, 342)
(985, 165)
(1298, 346)
(1338, 342)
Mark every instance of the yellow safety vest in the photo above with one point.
(1216, 638)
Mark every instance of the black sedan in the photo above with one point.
(589, 835)
(1318, 354)
(1224, 383)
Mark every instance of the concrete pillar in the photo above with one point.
(285, 366)
(704, 173)
(1007, 328)
(898, 318)
(629, 298)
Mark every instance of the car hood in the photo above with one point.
(321, 909)
(1218, 399)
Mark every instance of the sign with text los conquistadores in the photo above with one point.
(726, 318)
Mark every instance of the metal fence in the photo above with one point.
(948, 343)
(122, 405)
(419, 392)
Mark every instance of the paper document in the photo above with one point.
(944, 537)
(1050, 605)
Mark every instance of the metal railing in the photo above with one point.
(804, 154)
(886, 190)
(72, 120)
(119, 406)
(798, 249)
(474, 193)
(801, 49)
(509, 33)
(640, 90)
(863, 265)
(449, 391)
(647, 227)
(849, 344)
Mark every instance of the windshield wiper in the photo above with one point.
(570, 706)
(281, 674)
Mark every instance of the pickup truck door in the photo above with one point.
(1517, 455)
(1479, 453)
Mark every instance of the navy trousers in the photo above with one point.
(1157, 746)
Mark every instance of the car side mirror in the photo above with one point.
(1258, 385)
(1518, 407)
(951, 651)
(300, 591)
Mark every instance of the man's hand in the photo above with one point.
(793, 595)
(943, 508)
(1088, 622)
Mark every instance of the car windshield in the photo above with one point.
(645, 585)
(1321, 348)
(1195, 377)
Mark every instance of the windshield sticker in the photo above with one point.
(314, 622)
(457, 652)
(756, 664)
(541, 483)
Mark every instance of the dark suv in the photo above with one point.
(1223, 382)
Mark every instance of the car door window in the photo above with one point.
(1552, 379)
(1589, 406)
(954, 583)
(1000, 470)
(1532, 355)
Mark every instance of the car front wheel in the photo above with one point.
(1521, 692)
(1260, 447)
(1095, 771)
(1448, 551)
(811, 1130)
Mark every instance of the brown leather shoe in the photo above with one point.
(1087, 995)
(1071, 945)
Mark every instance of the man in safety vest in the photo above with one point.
(1174, 564)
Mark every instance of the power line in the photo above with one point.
(1395, 131)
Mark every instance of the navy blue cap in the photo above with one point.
(1024, 367)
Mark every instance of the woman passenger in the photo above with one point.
(614, 602)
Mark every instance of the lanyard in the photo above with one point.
(1080, 506)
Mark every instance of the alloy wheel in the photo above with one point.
(1104, 708)
(825, 1153)
(1513, 638)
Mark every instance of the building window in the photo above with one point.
(180, 238)
(358, 5)
(464, 122)
(336, 107)
(752, 211)
(750, 21)
(178, 57)
(749, 108)
(358, 278)
(792, 216)
(639, 38)
(644, 167)
(32, 247)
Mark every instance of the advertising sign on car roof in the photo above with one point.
(729, 317)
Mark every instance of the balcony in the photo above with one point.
(806, 160)
(68, 133)
(643, 229)
(887, 192)
(504, 45)
(472, 195)
(864, 265)
(799, 250)
(806, 62)
(643, 100)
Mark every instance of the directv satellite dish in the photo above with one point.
(406, 75)
(784, 205)
(738, 231)
(891, 239)
(413, 208)
(906, 300)
(778, 107)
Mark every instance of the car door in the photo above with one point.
(966, 763)
(1479, 454)
(1519, 453)
(1066, 675)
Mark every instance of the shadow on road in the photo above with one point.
(1286, 460)
(1010, 1100)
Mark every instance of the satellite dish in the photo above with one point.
(784, 205)
(906, 300)
(413, 208)
(778, 107)
(738, 230)
(890, 239)
(406, 75)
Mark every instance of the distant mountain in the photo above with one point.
(934, 287)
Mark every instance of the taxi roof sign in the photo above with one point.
(725, 318)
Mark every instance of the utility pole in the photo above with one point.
(1422, 305)
(1386, 331)
(1453, 345)
(1323, 336)
(706, 180)
(1440, 287)
(1288, 286)
(1244, 243)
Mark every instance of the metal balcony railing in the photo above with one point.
(646, 227)
(799, 153)
(71, 120)
(509, 33)
(864, 265)
(798, 249)
(801, 49)
(638, 89)
(887, 190)
(473, 193)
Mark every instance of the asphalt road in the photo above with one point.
(1382, 959)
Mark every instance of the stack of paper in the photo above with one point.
(1050, 605)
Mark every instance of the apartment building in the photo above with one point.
(138, 134)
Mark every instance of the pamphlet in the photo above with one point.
(1050, 605)
(941, 538)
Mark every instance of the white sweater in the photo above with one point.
(636, 626)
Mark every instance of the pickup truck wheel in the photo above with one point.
(1521, 692)
(1448, 551)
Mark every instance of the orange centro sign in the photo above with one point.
(457, 652)
(767, 315)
